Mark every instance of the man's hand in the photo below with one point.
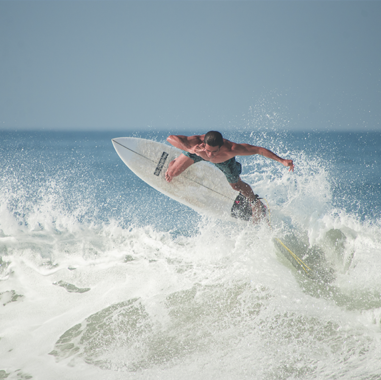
(289, 163)
(168, 173)
(168, 178)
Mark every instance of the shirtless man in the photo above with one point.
(214, 148)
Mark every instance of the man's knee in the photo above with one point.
(180, 164)
(236, 186)
(174, 170)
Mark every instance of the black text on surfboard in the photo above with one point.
(161, 163)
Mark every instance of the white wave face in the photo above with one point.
(82, 297)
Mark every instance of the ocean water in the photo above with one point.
(103, 277)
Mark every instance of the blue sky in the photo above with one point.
(180, 65)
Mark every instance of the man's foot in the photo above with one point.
(258, 210)
(246, 209)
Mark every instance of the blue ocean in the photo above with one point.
(104, 278)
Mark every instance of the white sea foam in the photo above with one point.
(88, 298)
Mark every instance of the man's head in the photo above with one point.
(212, 143)
(214, 138)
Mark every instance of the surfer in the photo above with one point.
(214, 148)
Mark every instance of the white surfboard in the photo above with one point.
(202, 186)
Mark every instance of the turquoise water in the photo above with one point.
(102, 277)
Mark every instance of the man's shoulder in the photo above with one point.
(243, 149)
(229, 150)
(232, 146)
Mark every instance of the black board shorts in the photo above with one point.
(231, 168)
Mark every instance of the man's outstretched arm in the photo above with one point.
(248, 150)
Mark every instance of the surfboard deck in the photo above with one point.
(202, 187)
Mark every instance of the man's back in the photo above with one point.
(195, 144)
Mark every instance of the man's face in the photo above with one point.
(211, 151)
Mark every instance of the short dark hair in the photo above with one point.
(214, 138)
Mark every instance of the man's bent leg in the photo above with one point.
(177, 166)
(244, 189)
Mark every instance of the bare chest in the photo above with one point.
(222, 157)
